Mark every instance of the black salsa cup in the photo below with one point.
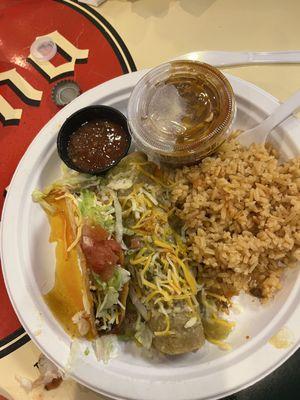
(75, 121)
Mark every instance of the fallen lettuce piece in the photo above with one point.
(74, 357)
(106, 347)
(143, 334)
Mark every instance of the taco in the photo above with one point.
(91, 283)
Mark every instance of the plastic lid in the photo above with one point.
(179, 106)
(64, 92)
(43, 48)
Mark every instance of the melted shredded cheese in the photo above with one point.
(162, 278)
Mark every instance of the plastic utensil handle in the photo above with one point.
(231, 58)
(292, 56)
(218, 58)
(281, 113)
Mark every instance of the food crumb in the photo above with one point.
(282, 339)
(54, 383)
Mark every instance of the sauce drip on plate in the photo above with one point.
(97, 145)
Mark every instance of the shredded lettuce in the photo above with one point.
(98, 282)
(74, 180)
(110, 299)
(128, 232)
(107, 297)
(143, 334)
(118, 214)
(120, 277)
(120, 184)
(117, 281)
(97, 212)
(138, 304)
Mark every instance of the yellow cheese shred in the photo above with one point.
(79, 219)
(187, 273)
(167, 331)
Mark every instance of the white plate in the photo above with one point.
(28, 267)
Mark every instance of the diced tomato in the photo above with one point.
(95, 233)
(102, 254)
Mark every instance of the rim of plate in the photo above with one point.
(248, 364)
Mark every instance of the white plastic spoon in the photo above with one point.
(260, 133)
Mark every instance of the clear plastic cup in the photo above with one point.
(181, 111)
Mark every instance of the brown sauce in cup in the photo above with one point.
(97, 145)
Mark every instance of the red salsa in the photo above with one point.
(97, 145)
(102, 254)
